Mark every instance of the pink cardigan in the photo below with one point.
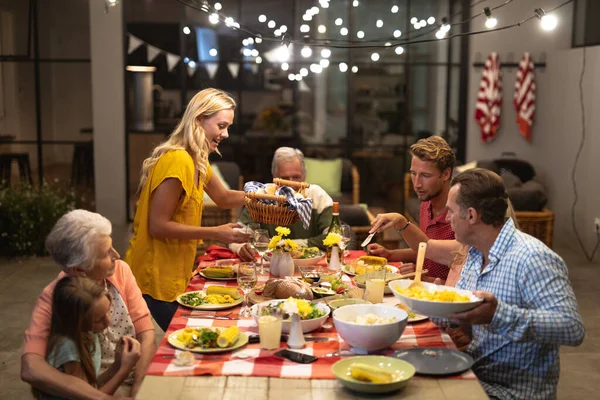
(36, 336)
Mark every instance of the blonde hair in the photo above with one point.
(434, 149)
(189, 134)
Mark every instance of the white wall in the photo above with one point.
(557, 129)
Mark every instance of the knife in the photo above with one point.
(284, 338)
(368, 239)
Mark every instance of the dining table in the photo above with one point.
(253, 373)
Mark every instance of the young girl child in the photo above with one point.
(81, 309)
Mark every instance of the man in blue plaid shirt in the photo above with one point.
(529, 308)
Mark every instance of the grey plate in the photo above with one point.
(435, 360)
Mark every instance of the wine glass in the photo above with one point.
(260, 241)
(246, 279)
(347, 234)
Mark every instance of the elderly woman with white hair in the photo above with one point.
(80, 243)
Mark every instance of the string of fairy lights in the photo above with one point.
(313, 46)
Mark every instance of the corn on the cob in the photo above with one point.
(233, 292)
(373, 260)
(367, 373)
(218, 272)
(228, 337)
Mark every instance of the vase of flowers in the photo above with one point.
(282, 263)
(296, 337)
(334, 241)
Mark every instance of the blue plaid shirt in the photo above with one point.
(516, 355)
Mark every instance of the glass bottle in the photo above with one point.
(335, 227)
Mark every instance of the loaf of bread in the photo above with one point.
(287, 287)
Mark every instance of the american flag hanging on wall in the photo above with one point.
(524, 101)
(489, 99)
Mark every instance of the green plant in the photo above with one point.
(27, 215)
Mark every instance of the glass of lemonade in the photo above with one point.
(375, 286)
(246, 279)
(269, 330)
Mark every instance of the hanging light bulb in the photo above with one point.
(254, 53)
(360, 34)
(298, 77)
(322, 29)
(271, 24)
(186, 30)
(325, 53)
(440, 34)
(315, 10)
(324, 63)
(304, 28)
(414, 20)
(399, 50)
(277, 32)
(250, 40)
(388, 44)
(247, 52)
(303, 71)
(431, 20)
(375, 56)
(355, 3)
(283, 54)
(379, 23)
(285, 66)
(213, 18)
(423, 23)
(306, 52)
(307, 17)
(547, 21)
(229, 21)
(316, 68)
(344, 31)
(292, 77)
(258, 39)
(245, 42)
(110, 3)
(283, 29)
(258, 59)
(218, 6)
(354, 69)
(490, 22)
(343, 67)
(397, 33)
(262, 18)
(394, 9)
(339, 21)
(213, 52)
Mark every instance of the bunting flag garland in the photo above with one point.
(234, 68)
(489, 99)
(134, 43)
(211, 68)
(172, 61)
(524, 99)
(153, 52)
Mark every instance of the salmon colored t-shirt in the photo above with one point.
(163, 267)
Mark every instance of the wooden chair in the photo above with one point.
(539, 224)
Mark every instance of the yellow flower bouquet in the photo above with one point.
(278, 242)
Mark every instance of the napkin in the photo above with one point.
(216, 253)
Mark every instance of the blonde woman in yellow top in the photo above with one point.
(167, 221)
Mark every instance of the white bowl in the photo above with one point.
(301, 261)
(364, 339)
(308, 325)
(434, 308)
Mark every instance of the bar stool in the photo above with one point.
(22, 159)
(82, 169)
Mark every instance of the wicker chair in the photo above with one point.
(539, 224)
(212, 215)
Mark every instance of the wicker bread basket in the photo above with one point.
(278, 213)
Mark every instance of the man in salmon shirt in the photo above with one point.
(431, 171)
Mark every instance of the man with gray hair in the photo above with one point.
(288, 163)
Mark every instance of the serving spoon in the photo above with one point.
(420, 259)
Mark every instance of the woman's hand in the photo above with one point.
(386, 221)
(378, 250)
(127, 353)
(247, 253)
(230, 233)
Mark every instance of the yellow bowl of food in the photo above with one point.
(434, 300)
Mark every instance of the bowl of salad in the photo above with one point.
(312, 315)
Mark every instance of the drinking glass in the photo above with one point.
(269, 329)
(346, 236)
(260, 241)
(311, 274)
(246, 279)
(375, 286)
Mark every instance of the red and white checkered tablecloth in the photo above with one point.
(251, 360)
